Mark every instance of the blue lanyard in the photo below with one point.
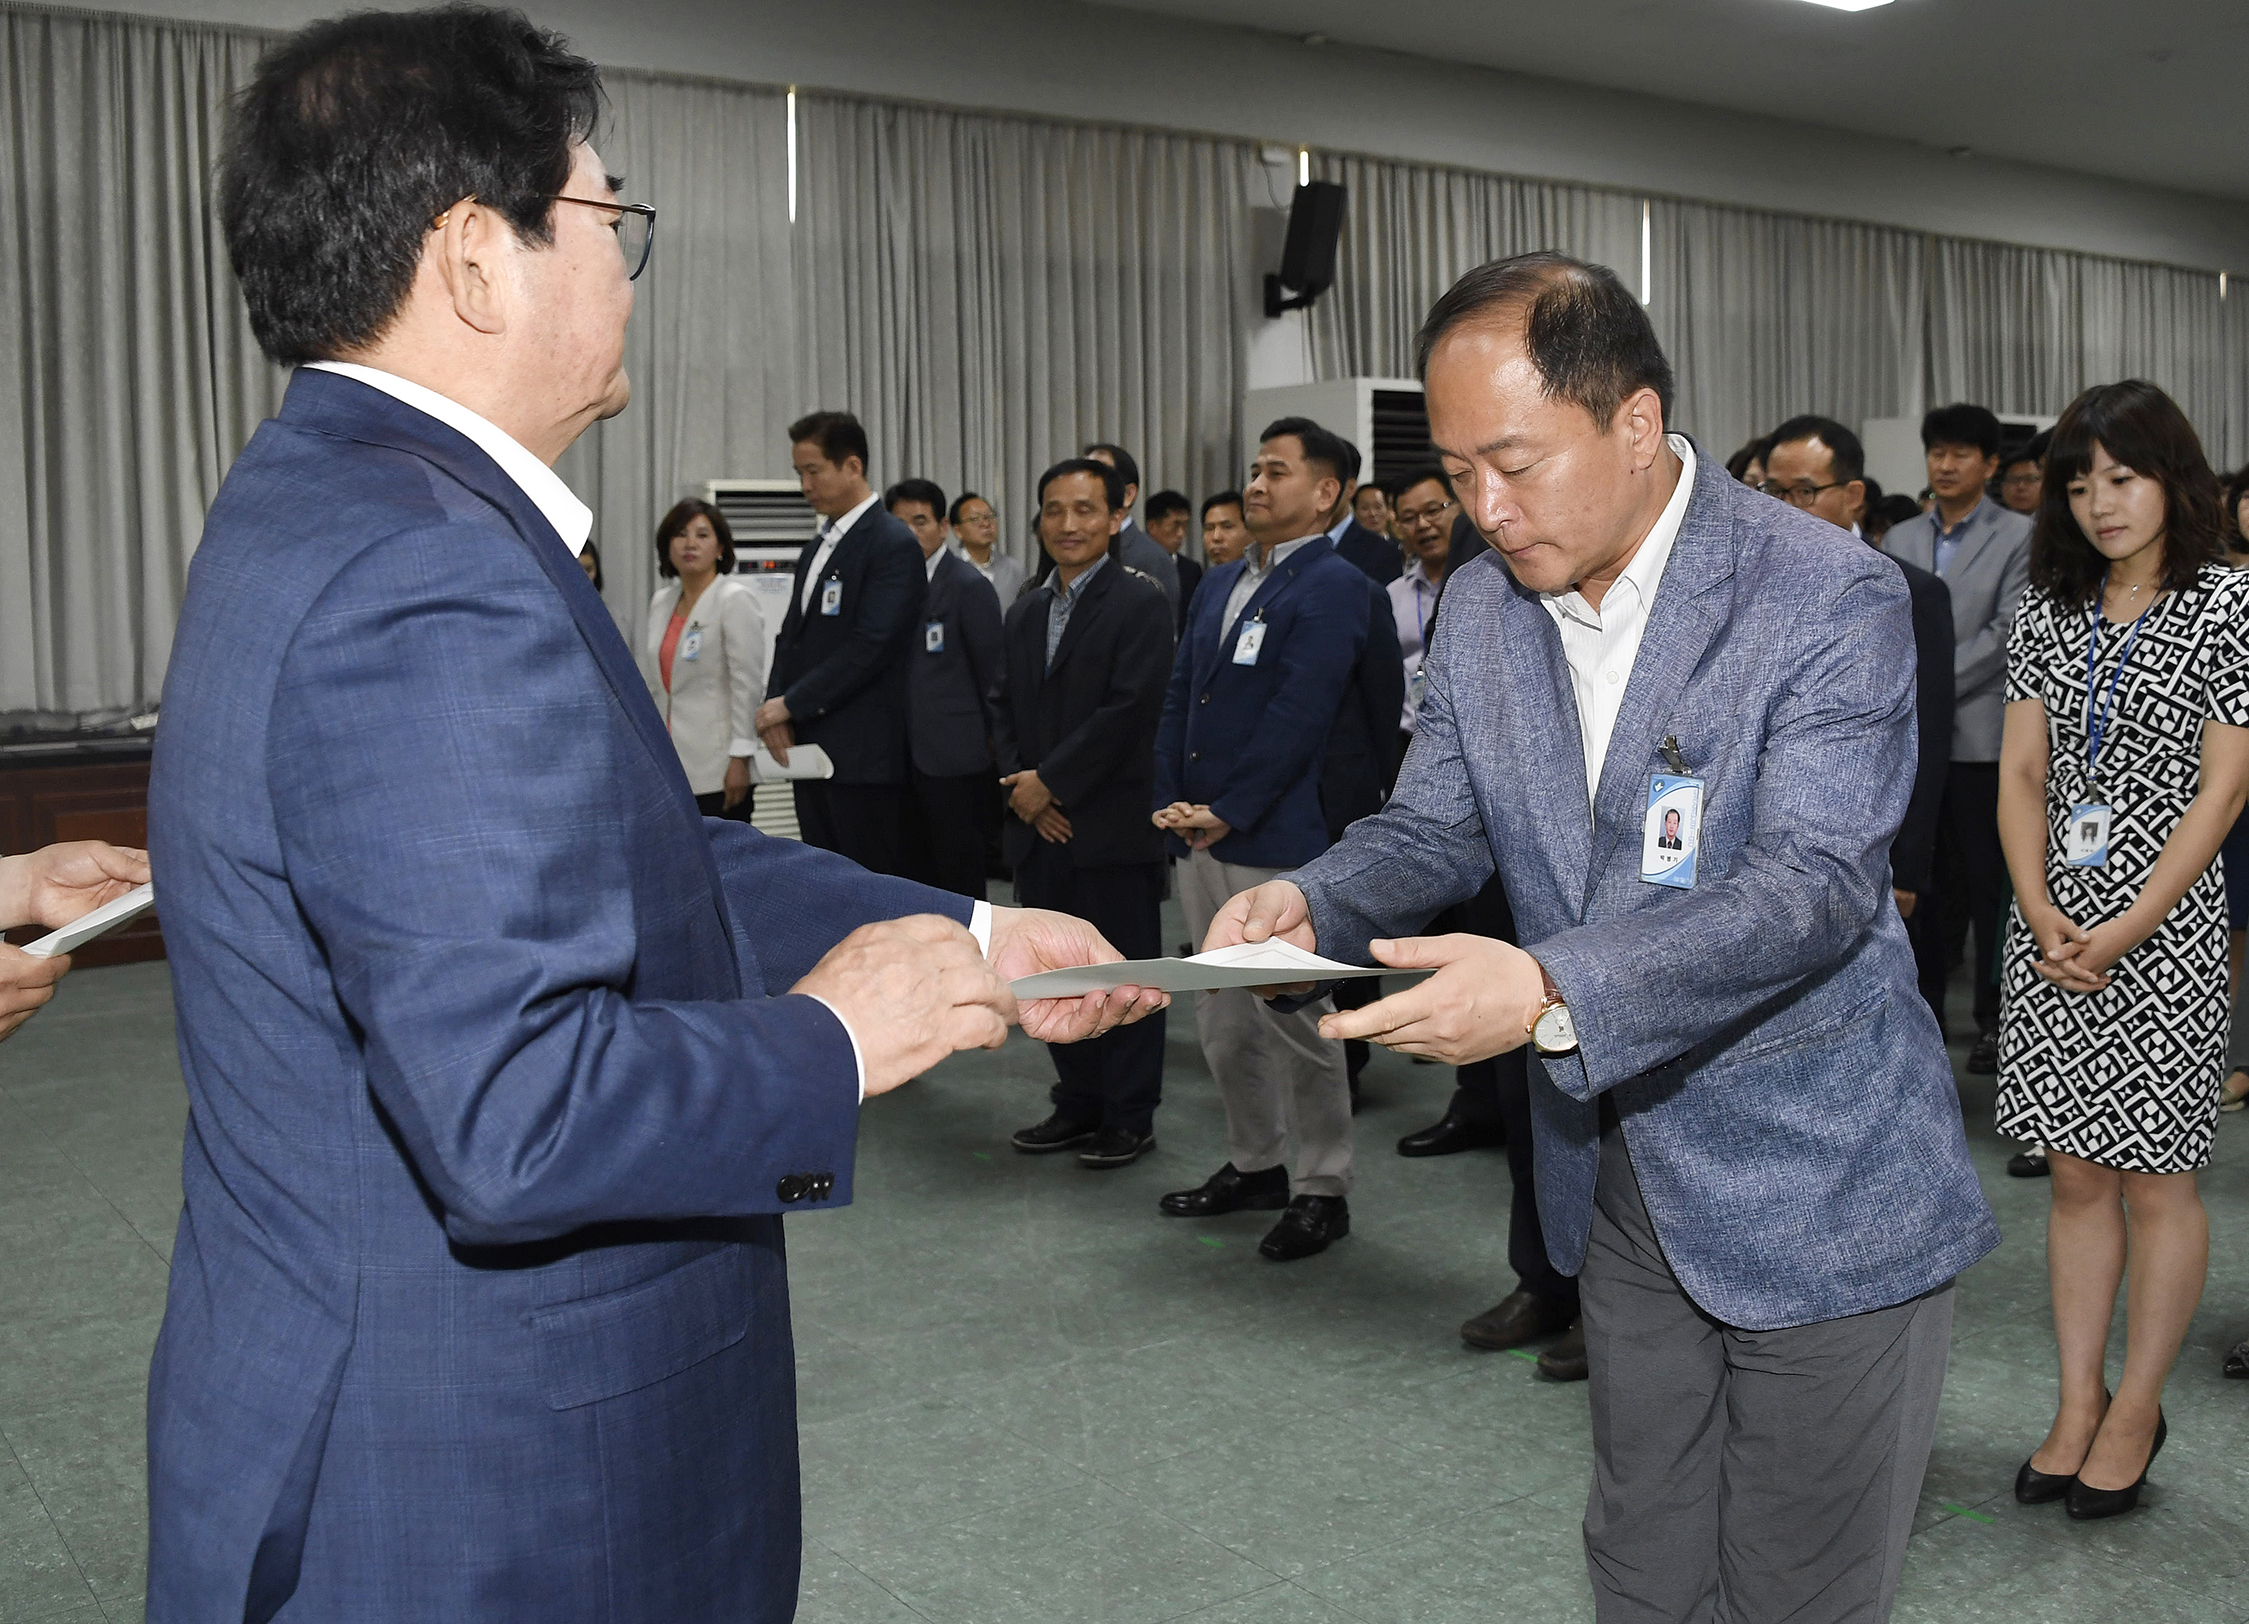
(2096, 727)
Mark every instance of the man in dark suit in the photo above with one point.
(1270, 656)
(1361, 765)
(1134, 547)
(1088, 653)
(1818, 464)
(503, 1062)
(1372, 551)
(1168, 513)
(952, 696)
(845, 650)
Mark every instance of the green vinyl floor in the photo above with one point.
(1027, 1397)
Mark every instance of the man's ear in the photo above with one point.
(470, 247)
(1642, 415)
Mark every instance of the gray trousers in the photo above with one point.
(1278, 1077)
(1745, 1477)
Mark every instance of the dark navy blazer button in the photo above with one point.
(823, 1186)
(793, 1187)
(1204, 700)
(1194, 755)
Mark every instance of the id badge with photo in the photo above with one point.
(933, 637)
(2085, 841)
(692, 644)
(1252, 639)
(1416, 686)
(831, 598)
(1673, 831)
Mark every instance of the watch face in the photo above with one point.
(1554, 1033)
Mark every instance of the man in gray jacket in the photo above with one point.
(1982, 552)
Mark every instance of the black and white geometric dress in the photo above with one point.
(2129, 1076)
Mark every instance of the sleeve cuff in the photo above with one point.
(858, 1060)
(980, 927)
(744, 748)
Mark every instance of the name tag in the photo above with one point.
(1672, 832)
(1416, 686)
(933, 637)
(831, 598)
(691, 644)
(2085, 841)
(1252, 639)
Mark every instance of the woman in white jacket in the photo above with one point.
(704, 656)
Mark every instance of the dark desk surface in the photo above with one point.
(75, 752)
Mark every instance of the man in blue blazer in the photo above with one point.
(1749, 1143)
(1273, 643)
(501, 1062)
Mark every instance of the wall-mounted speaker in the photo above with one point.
(1315, 223)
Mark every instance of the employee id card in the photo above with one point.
(2085, 841)
(831, 598)
(692, 644)
(1672, 832)
(933, 637)
(1252, 639)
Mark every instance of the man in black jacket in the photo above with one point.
(1361, 767)
(1375, 553)
(952, 694)
(1168, 513)
(840, 662)
(1088, 657)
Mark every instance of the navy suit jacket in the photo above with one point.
(478, 1307)
(953, 690)
(1375, 553)
(1913, 856)
(1362, 754)
(1249, 741)
(1785, 1096)
(845, 674)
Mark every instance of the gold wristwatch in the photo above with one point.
(1552, 1032)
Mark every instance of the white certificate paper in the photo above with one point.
(1251, 964)
(805, 761)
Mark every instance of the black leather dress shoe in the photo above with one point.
(2028, 1164)
(1116, 1147)
(1520, 1317)
(1229, 1191)
(1057, 1132)
(1311, 1224)
(2088, 1504)
(1983, 1059)
(1565, 1360)
(2236, 1367)
(1450, 1133)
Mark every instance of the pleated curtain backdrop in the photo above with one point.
(988, 292)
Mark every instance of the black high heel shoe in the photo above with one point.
(2036, 1488)
(2087, 1504)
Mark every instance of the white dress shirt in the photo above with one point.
(571, 518)
(830, 533)
(573, 522)
(1252, 577)
(1601, 644)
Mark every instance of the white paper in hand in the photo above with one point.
(805, 761)
(99, 922)
(1249, 964)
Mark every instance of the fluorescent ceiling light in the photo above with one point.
(1849, 5)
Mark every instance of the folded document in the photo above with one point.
(1250, 964)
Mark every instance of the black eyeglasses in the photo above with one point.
(1802, 496)
(635, 227)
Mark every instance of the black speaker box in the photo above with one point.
(1315, 224)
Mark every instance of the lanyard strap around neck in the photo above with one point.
(2096, 724)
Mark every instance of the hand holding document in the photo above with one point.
(1248, 964)
(99, 922)
(805, 761)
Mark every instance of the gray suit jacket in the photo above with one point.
(1783, 1090)
(1136, 549)
(1986, 581)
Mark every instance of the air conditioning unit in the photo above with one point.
(770, 519)
(1386, 418)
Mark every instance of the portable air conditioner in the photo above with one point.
(770, 519)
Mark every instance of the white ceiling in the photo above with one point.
(2153, 90)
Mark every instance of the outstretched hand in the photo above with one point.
(1275, 909)
(58, 884)
(1480, 1002)
(1026, 941)
(911, 991)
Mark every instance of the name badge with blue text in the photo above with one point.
(933, 637)
(2085, 841)
(692, 644)
(1252, 639)
(1672, 832)
(831, 598)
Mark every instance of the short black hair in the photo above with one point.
(1232, 499)
(1418, 476)
(1850, 456)
(2237, 539)
(589, 550)
(1128, 470)
(679, 518)
(2142, 428)
(1329, 450)
(837, 434)
(1167, 502)
(357, 132)
(1353, 461)
(1112, 481)
(1881, 517)
(1588, 338)
(925, 491)
(1738, 464)
(1961, 424)
(960, 502)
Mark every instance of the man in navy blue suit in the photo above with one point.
(1273, 643)
(502, 1064)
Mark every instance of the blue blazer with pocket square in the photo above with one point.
(495, 1086)
(1788, 1104)
(1249, 741)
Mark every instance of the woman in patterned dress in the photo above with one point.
(2124, 762)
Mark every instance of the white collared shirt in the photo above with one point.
(1253, 576)
(1602, 644)
(830, 534)
(571, 518)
